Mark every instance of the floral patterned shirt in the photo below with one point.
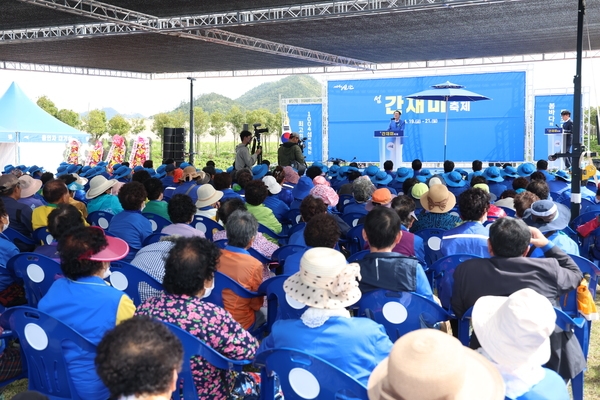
(214, 326)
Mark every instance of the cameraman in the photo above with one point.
(243, 159)
(290, 154)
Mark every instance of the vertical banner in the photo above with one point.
(491, 130)
(547, 115)
(307, 120)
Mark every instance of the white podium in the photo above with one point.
(555, 145)
(390, 146)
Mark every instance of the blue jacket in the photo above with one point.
(105, 202)
(397, 126)
(132, 227)
(551, 387)
(468, 238)
(7, 250)
(279, 208)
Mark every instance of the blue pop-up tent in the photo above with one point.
(29, 135)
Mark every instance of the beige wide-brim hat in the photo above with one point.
(189, 173)
(427, 364)
(29, 186)
(325, 280)
(98, 185)
(207, 195)
(515, 331)
(438, 199)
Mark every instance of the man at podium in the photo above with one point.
(396, 124)
(567, 126)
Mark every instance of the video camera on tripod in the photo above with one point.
(256, 140)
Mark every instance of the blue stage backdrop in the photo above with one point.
(307, 120)
(490, 130)
(547, 115)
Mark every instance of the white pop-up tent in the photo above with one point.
(29, 135)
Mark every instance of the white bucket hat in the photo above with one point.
(98, 185)
(325, 280)
(427, 364)
(207, 195)
(515, 331)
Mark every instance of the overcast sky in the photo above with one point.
(81, 93)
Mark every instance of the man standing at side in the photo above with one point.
(509, 270)
(243, 159)
(290, 154)
(567, 126)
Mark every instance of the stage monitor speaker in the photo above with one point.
(173, 143)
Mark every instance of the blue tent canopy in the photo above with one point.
(21, 120)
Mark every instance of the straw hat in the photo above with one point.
(515, 331)
(427, 364)
(324, 280)
(98, 185)
(207, 195)
(189, 173)
(29, 186)
(438, 199)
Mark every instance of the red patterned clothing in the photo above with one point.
(211, 324)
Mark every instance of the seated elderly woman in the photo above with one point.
(260, 243)
(61, 220)
(327, 285)
(514, 333)
(7, 250)
(279, 173)
(130, 225)
(189, 277)
(181, 211)
(140, 359)
(256, 193)
(437, 202)
(362, 190)
(309, 207)
(85, 302)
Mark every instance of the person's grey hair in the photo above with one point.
(509, 237)
(362, 189)
(241, 228)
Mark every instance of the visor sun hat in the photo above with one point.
(525, 169)
(381, 178)
(547, 216)
(29, 186)
(324, 280)
(427, 364)
(116, 249)
(98, 185)
(493, 174)
(189, 173)
(418, 190)
(515, 331)
(272, 185)
(325, 193)
(403, 174)
(380, 197)
(260, 170)
(438, 199)
(454, 179)
(207, 195)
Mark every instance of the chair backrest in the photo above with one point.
(356, 242)
(432, 240)
(259, 256)
(42, 235)
(41, 338)
(400, 312)
(582, 219)
(443, 275)
(294, 216)
(206, 225)
(128, 278)
(353, 218)
(38, 273)
(192, 346)
(223, 282)
(568, 302)
(220, 243)
(358, 256)
(343, 201)
(295, 228)
(280, 305)
(100, 218)
(15, 235)
(157, 222)
(282, 239)
(153, 238)
(303, 376)
(284, 252)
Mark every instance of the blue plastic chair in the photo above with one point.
(355, 240)
(432, 239)
(223, 282)
(42, 235)
(100, 218)
(400, 312)
(585, 204)
(14, 235)
(443, 275)
(260, 257)
(353, 219)
(284, 252)
(42, 339)
(296, 228)
(220, 243)
(206, 225)
(280, 305)
(129, 278)
(344, 200)
(282, 239)
(303, 376)
(582, 219)
(192, 347)
(38, 273)
(157, 222)
(153, 238)
(294, 216)
(358, 256)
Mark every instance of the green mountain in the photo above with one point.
(267, 94)
(210, 103)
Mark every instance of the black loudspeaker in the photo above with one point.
(173, 144)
